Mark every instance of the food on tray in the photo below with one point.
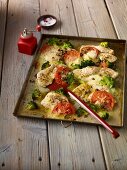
(32, 105)
(52, 99)
(46, 76)
(88, 70)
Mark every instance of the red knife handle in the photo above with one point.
(94, 114)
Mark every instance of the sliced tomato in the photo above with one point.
(64, 108)
(103, 64)
(71, 55)
(45, 47)
(86, 49)
(54, 86)
(60, 76)
(103, 98)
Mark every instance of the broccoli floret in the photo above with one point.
(61, 91)
(60, 62)
(45, 65)
(54, 41)
(36, 94)
(111, 65)
(72, 86)
(81, 112)
(94, 107)
(70, 78)
(87, 63)
(83, 64)
(66, 45)
(67, 116)
(104, 115)
(76, 66)
(60, 43)
(108, 81)
(32, 105)
(104, 44)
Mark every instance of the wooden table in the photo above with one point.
(37, 144)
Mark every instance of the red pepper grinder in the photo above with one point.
(27, 42)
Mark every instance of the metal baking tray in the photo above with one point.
(119, 46)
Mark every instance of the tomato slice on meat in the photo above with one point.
(64, 108)
(45, 47)
(71, 55)
(103, 98)
(54, 86)
(60, 76)
(103, 64)
(86, 49)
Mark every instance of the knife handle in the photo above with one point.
(94, 114)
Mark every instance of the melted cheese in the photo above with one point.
(51, 55)
(71, 63)
(104, 50)
(82, 73)
(94, 81)
(46, 76)
(108, 71)
(52, 99)
(106, 56)
(83, 91)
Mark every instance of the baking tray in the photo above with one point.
(119, 46)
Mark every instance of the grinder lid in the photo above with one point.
(47, 21)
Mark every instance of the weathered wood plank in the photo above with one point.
(3, 11)
(118, 12)
(64, 13)
(23, 142)
(74, 147)
(116, 150)
(101, 26)
(93, 19)
(16, 135)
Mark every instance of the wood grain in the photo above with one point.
(3, 12)
(116, 150)
(63, 12)
(76, 147)
(118, 12)
(73, 147)
(93, 19)
(23, 142)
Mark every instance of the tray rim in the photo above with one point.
(78, 38)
